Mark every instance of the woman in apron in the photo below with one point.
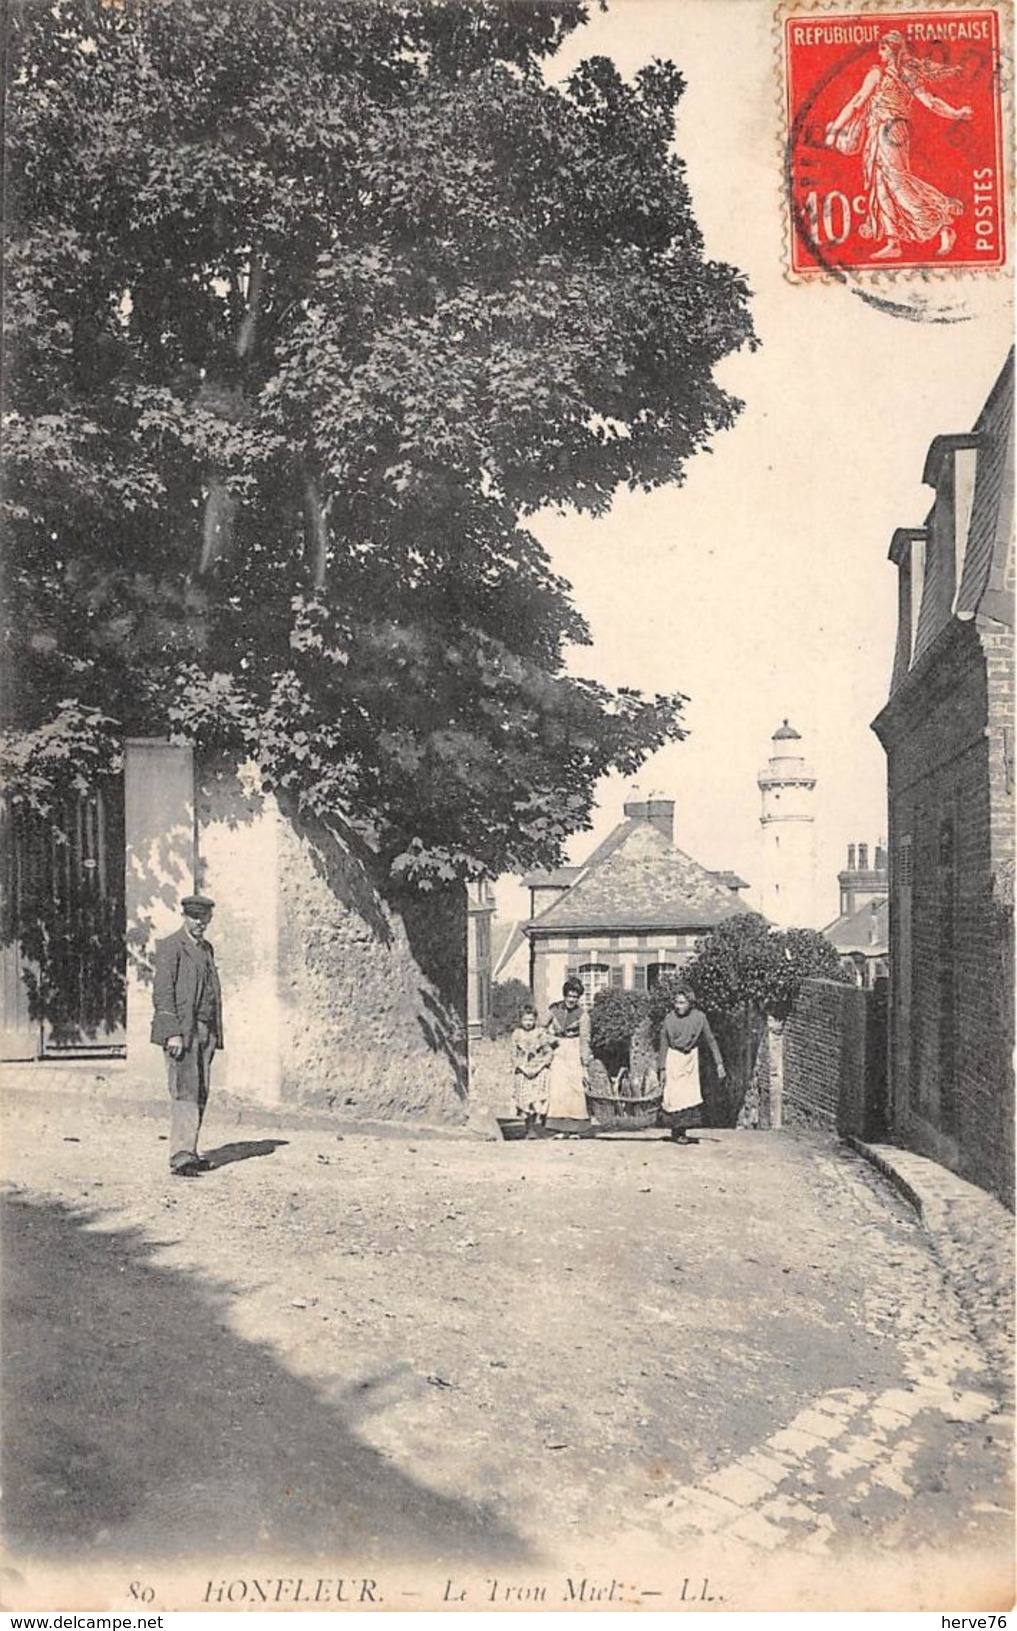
(685, 1027)
(568, 1026)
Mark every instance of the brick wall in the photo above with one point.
(948, 734)
(834, 1060)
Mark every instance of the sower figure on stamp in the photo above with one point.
(188, 1027)
(899, 204)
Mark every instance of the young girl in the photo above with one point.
(684, 1027)
(533, 1050)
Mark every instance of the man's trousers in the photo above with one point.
(187, 1079)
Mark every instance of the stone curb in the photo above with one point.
(880, 1157)
(972, 1236)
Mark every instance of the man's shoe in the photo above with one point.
(187, 1169)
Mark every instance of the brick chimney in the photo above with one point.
(860, 883)
(657, 810)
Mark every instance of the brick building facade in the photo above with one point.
(947, 730)
(630, 915)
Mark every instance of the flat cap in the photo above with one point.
(196, 905)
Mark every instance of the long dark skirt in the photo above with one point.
(680, 1120)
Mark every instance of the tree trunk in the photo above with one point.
(315, 533)
(217, 527)
(247, 331)
(220, 503)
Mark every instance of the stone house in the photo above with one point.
(947, 729)
(339, 991)
(632, 913)
(861, 930)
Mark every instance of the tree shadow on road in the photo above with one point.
(243, 1150)
(137, 1422)
(654, 1136)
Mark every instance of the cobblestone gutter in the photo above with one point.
(972, 1236)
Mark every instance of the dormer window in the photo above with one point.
(907, 551)
(950, 468)
(965, 470)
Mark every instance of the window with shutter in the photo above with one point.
(618, 977)
(639, 978)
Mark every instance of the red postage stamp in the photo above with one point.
(894, 153)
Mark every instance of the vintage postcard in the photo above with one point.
(507, 841)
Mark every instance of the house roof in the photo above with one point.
(502, 930)
(866, 929)
(506, 939)
(559, 878)
(983, 586)
(637, 880)
(615, 838)
(731, 880)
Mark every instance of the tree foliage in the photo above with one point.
(615, 1016)
(746, 963)
(508, 999)
(309, 306)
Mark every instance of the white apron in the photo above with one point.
(566, 1100)
(682, 1090)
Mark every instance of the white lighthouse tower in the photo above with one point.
(788, 873)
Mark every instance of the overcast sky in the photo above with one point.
(761, 588)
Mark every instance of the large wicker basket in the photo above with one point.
(615, 1114)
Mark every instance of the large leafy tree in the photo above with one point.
(746, 963)
(310, 304)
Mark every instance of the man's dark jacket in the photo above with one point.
(179, 964)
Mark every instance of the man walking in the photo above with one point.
(188, 1027)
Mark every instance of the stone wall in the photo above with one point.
(159, 869)
(372, 992)
(334, 996)
(762, 1103)
(834, 1060)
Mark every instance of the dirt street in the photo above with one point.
(726, 1375)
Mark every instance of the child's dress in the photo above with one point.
(533, 1051)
